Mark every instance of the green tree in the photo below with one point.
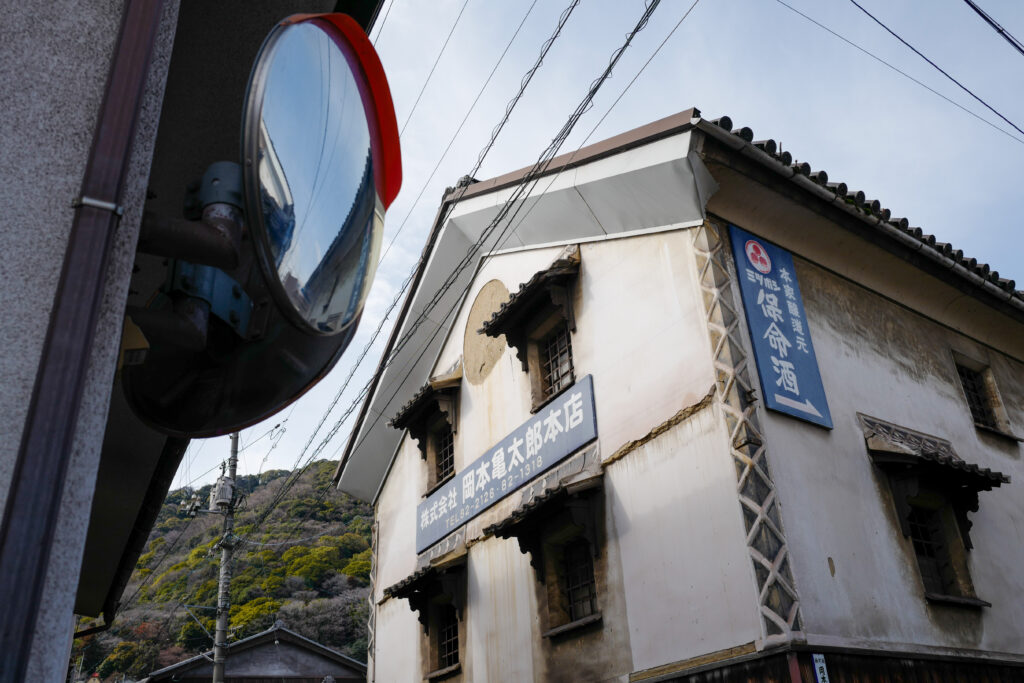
(192, 637)
(133, 659)
(315, 564)
(254, 616)
(359, 567)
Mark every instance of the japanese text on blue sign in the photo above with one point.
(558, 430)
(786, 365)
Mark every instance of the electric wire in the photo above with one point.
(529, 180)
(554, 176)
(526, 184)
(902, 73)
(429, 75)
(524, 83)
(383, 21)
(937, 67)
(1007, 36)
(458, 130)
(523, 189)
(622, 93)
(153, 570)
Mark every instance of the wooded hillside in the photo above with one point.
(307, 564)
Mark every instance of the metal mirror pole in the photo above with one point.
(224, 496)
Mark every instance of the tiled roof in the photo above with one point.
(539, 501)
(430, 391)
(858, 203)
(565, 267)
(420, 399)
(401, 588)
(892, 443)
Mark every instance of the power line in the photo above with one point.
(608, 111)
(527, 78)
(384, 21)
(458, 130)
(937, 67)
(528, 181)
(167, 551)
(438, 59)
(901, 72)
(999, 29)
(523, 189)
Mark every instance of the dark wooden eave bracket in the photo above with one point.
(549, 290)
(577, 496)
(434, 583)
(439, 395)
(909, 458)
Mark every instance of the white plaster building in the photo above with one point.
(700, 535)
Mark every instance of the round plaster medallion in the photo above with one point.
(480, 352)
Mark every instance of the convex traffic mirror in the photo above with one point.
(320, 168)
(265, 278)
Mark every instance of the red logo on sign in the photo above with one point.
(757, 256)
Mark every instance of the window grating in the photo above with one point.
(580, 587)
(445, 443)
(978, 399)
(556, 361)
(930, 548)
(447, 637)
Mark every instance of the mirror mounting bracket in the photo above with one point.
(212, 230)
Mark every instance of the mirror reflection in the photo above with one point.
(321, 211)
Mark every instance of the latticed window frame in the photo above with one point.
(444, 451)
(556, 362)
(979, 399)
(447, 636)
(580, 587)
(932, 551)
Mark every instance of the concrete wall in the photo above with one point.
(670, 503)
(56, 71)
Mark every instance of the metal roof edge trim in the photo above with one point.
(395, 331)
(636, 137)
(440, 350)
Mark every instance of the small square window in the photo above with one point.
(562, 536)
(538, 322)
(438, 595)
(933, 490)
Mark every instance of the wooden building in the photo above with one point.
(276, 655)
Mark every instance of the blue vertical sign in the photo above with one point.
(786, 365)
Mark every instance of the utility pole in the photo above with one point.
(224, 498)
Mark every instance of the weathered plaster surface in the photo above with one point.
(669, 499)
(883, 360)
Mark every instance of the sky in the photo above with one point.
(760, 63)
